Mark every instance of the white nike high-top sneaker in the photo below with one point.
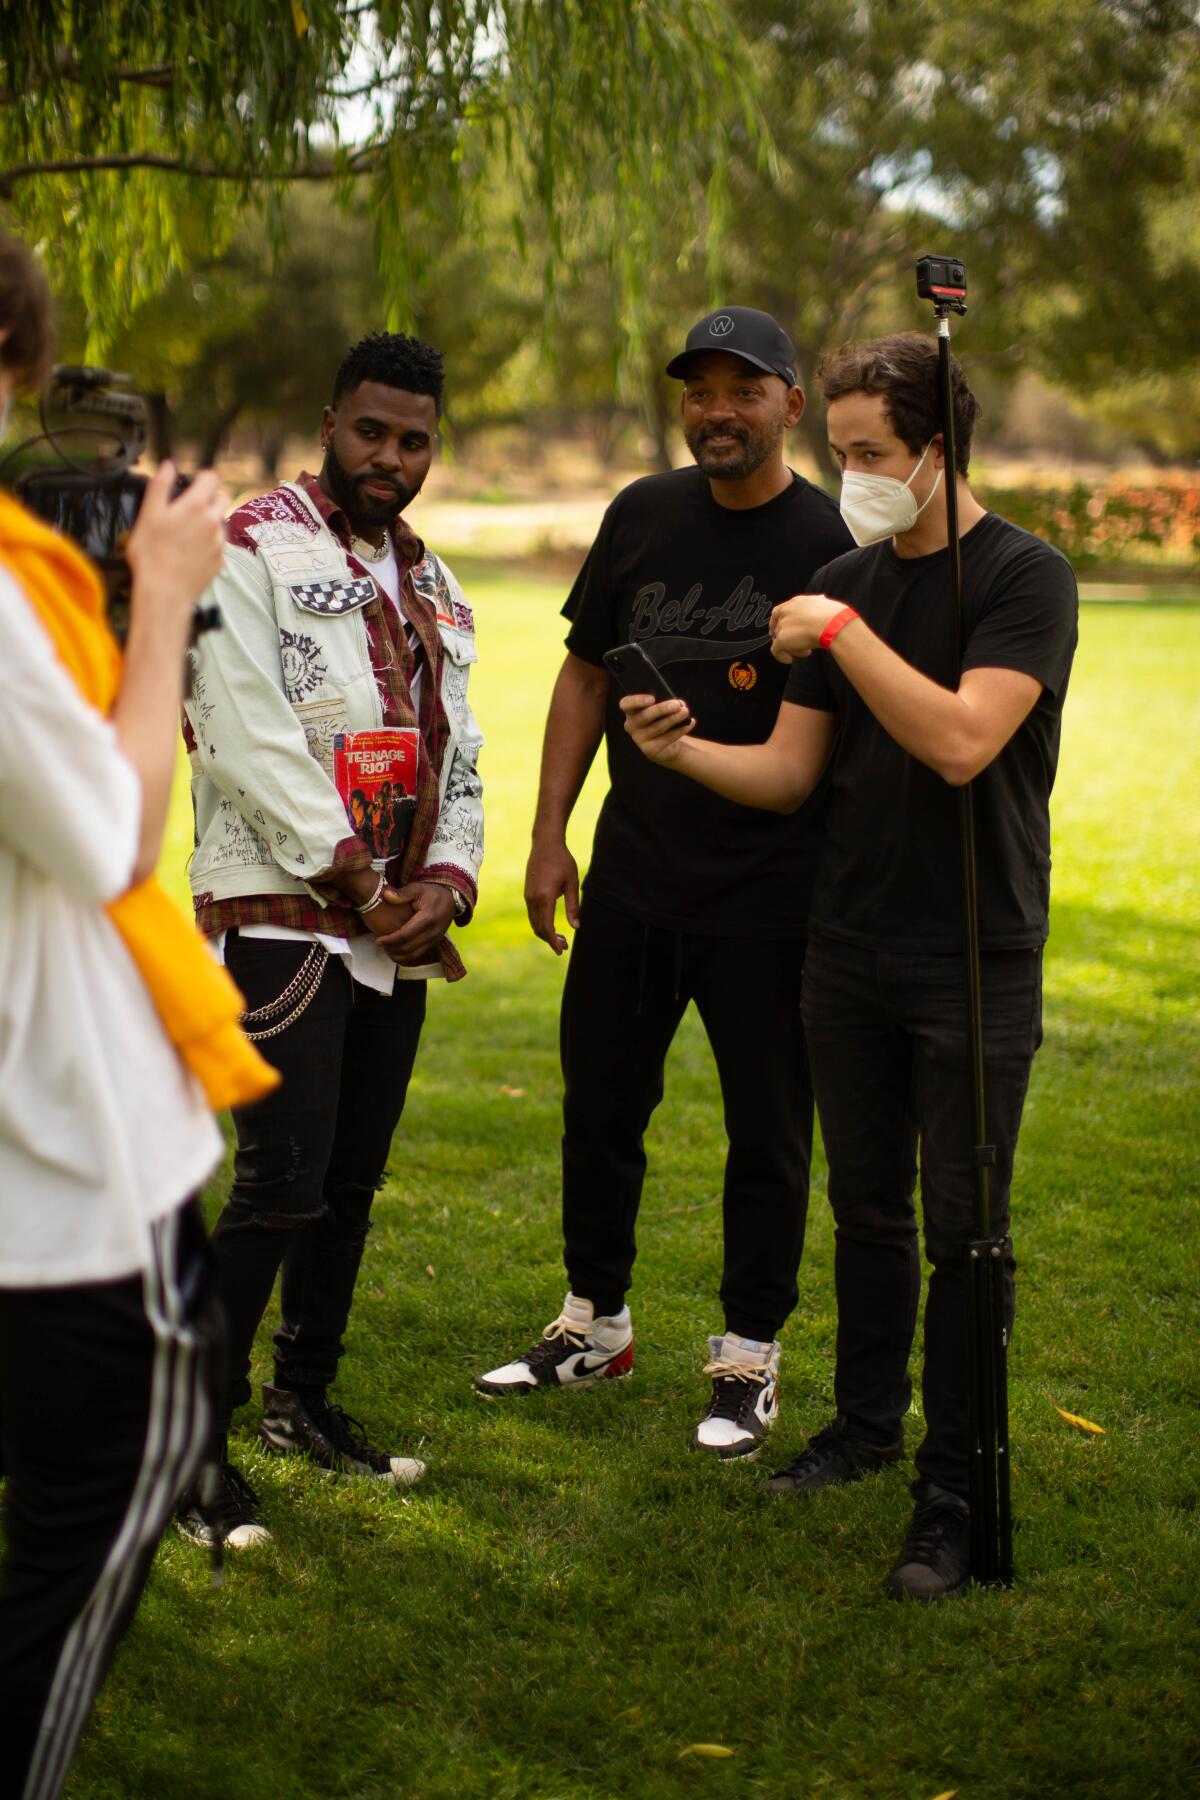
(745, 1396)
(576, 1350)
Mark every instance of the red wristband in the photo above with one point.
(835, 625)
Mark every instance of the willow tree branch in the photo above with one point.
(67, 69)
(360, 163)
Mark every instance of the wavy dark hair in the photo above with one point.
(393, 360)
(904, 369)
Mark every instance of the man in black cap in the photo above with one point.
(687, 897)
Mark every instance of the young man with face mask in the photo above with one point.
(878, 684)
(687, 898)
(342, 661)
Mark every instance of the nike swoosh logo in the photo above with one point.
(588, 1362)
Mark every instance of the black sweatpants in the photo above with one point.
(105, 1409)
(309, 1160)
(627, 987)
(887, 1033)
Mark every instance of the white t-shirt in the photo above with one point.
(102, 1128)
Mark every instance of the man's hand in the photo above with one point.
(797, 624)
(387, 917)
(426, 910)
(657, 727)
(550, 872)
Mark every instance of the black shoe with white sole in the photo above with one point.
(221, 1510)
(575, 1350)
(745, 1397)
(297, 1425)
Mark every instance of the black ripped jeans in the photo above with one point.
(309, 1160)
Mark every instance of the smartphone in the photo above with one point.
(634, 673)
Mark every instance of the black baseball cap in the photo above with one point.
(740, 331)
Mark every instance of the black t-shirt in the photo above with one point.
(891, 874)
(694, 583)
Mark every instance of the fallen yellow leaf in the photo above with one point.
(1083, 1424)
(429, 1269)
(948, 1795)
(299, 18)
(706, 1750)
(513, 1093)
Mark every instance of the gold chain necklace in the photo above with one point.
(366, 552)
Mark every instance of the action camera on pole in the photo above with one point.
(943, 280)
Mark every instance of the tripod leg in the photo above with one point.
(991, 1511)
(982, 1416)
(996, 1269)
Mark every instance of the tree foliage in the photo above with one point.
(117, 125)
(556, 187)
(1050, 142)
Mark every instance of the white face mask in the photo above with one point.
(879, 506)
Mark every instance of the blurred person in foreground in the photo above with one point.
(687, 897)
(118, 1037)
(341, 668)
(878, 684)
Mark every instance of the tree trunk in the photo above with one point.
(270, 448)
(812, 430)
(218, 431)
(659, 417)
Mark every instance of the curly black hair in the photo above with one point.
(393, 360)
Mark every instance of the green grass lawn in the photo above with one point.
(573, 1597)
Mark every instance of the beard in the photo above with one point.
(734, 461)
(363, 509)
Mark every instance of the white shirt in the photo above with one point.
(102, 1128)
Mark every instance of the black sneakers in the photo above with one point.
(221, 1510)
(936, 1558)
(833, 1458)
(296, 1425)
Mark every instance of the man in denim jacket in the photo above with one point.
(339, 631)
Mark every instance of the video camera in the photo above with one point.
(95, 502)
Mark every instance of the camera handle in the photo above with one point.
(943, 280)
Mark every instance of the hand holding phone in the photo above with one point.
(635, 673)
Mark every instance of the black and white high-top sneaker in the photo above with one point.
(745, 1396)
(575, 1350)
(325, 1434)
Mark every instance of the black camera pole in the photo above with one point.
(943, 280)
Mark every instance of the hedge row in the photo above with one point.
(1116, 522)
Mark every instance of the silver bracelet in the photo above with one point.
(369, 905)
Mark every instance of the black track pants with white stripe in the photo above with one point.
(105, 1408)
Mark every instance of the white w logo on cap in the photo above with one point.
(721, 326)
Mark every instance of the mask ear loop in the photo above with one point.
(933, 490)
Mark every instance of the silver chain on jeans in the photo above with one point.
(297, 995)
